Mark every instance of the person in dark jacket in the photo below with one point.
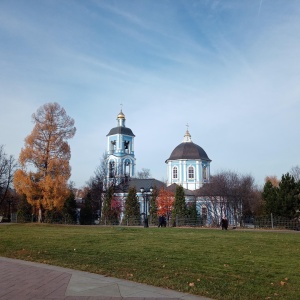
(224, 223)
(162, 221)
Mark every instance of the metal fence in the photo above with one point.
(260, 222)
(273, 222)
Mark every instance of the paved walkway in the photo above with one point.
(22, 280)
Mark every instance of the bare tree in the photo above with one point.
(144, 174)
(97, 186)
(102, 169)
(228, 193)
(295, 172)
(8, 167)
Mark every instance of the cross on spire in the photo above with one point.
(187, 136)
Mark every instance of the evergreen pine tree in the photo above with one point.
(132, 208)
(269, 195)
(24, 212)
(69, 209)
(179, 209)
(153, 207)
(110, 214)
(288, 196)
(86, 212)
(283, 201)
(192, 213)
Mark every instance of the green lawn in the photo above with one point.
(219, 264)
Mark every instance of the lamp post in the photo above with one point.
(145, 196)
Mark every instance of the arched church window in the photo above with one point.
(126, 146)
(111, 169)
(112, 146)
(175, 173)
(191, 172)
(204, 173)
(127, 168)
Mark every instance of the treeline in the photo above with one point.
(282, 198)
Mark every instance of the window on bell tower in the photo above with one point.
(127, 168)
(204, 173)
(111, 169)
(175, 173)
(126, 146)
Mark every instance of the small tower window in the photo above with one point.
(111, 169)
(204, 173)
(127, 168)
(126, 146)
(175, 173)
(191, 174)
(112, 147)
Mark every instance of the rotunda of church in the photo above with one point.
(188, 165)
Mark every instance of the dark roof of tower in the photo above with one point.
(188, 150)
(120, 130)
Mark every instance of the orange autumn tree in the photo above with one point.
(44, 160)
(165, 202)
(273, 180)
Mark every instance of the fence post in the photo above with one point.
(272, 224)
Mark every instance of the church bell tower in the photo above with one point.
(120, 152)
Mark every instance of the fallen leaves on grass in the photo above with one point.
(282, 283)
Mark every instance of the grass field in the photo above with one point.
(214, 263)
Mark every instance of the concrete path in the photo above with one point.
(22, 280)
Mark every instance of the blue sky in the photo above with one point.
(230, 69)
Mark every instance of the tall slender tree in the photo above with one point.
(179, 209)
(288, 196)
(44, 160)
(269, 195)
(8, 167)
(132, 207)
(111, 209)
(69, 209)
(86, 212)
